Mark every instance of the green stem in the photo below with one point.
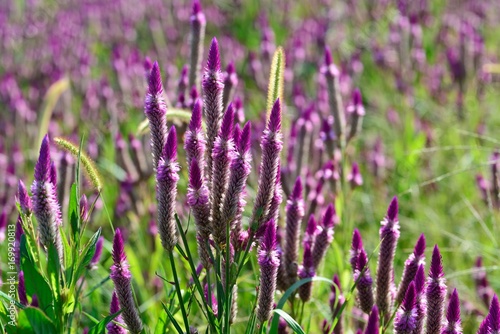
(178, 290)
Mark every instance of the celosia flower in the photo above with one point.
(230, 83)
(197, 36)
(421, 302)
(389, 235)
(3, 225)
(453, 322)
(324, 236)
(113, 327)
(24, 199)
(274, 206)
(212, 101)
(406, 317)
(222, 157)
(271, 145)
(435, 293)
(166, 191)
(45, 206)
(21, 290)
(240, 168)
(484, 290)
(294, 214)
(198, 200)
(494, 316)
(356, 248)
(17, 247)
(194, 142)
(310, 232)
(372, 327)
(355, 178)
(357, 111)
(411, 265)
(268, 263)
(306, 270)
(121, 277)
(364, 282)
(156, 112)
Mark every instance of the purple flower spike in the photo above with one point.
(372, 327)
(421, 302)
(411, 265)
(494, 315)
(336, 302)
(212, 103)
(3, 225)
(21, 290)
(405, 321)
(364, 282)
(332, 74)
(356, 247)
(294, 215)
(155, 109)
(24, 199)
(17, 248)
(274, 206)
(324, 237)
(45, 206)
(268, 262)
(435, 293)
(166, 180)
(453, 322)
(198, 200)
(222, 156)
(195, 142)
(357, 111)
(197, 36)
(271, 145)
(484, 290)
(240, 168)
(53, 175)
(389, 235)
(310, 233)
(355, 178)
(121, 277)
(113, 327)
(230, 83)
(97, 254)
(306, 270)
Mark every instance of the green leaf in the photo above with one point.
(32, 320)
(54, 274)
(68, 258)
(74, 212)
(172, 319)
(36, 283)
(100, 327)
(161, 325)
(290, 321)
(87, 253)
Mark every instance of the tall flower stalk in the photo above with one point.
(436, 294)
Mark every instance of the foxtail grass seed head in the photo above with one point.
(389, 235)
(121, 277)
(268, 262)
(24, 199)
(155, 109)
(453, 322)
(166, 180)
(435, 294)
(113, 327)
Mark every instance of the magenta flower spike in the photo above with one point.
(222, 156)
(121, 277)
(45, 205)
(97, 255)
(453, 322)
(406, 317)
(364, 283)
(435, 293)
(389, 235)
(274, 206)
(421, 302)
(182, 86)
(194, 142)
(310, 232)
(356, 112)
(197, 36)
(3, 225)
(155, 109)
(325, 236)
(356, 248)
(198, 200)
(212, 101)
(167, 177)
(17, 248)
(113, 327)
(355, 178)
(271, 146)
(494, 315)
(411, 265)
(294, 215)
(21, 290)
(484, 290)
(372, 327)
(230, 83)
(268, 262)
(24, 199)
(240, 168)
(306, 270)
